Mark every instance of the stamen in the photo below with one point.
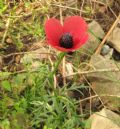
(66, 40)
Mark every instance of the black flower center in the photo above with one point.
(66, 40)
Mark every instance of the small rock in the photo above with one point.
(9, 40)
(29, 58)
(96, 29)
(105, 50)
(106, 83)
(114, 39)
(34, 58)
(94, 38)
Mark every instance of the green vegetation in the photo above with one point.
(28, 99)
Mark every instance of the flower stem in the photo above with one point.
(56, 65)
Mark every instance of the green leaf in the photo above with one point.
(4, 74)
(45, 127)
(5, 124)
(6, 85)
(88, 124)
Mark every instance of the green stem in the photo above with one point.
(56, 65)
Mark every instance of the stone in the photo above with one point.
(105, 50)
(106, 83)
(114, 39)
(105, 119)
(95, 34)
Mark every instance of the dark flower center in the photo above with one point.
(66, 40)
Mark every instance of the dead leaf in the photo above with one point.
(69, 70)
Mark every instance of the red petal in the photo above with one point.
(76, 26)
(53, 30)
(64, 49)
(80, 42)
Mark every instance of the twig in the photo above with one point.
(93, 91)
(94, 71)
(82, 7)
(64, 9)
(61, 18)
(81, 110)
(102, 95)
(69, 8)
(99, 2)
(37, 45)
(106, 36)
(90, 101)
(64, 71)
(91, 6)
(30, 52)
(7, 26)
(112, 11)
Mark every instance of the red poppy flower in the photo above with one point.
(69, 37)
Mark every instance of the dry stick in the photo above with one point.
(76, 4)
(112, 11)
(64, 9)
(64, 71)
(82, 7)
(90, 101)
(30, 52)
(81, 111)
(91, 6)
(98, 2)
(102, 95)
(94, 91)
(91, 97)
(7, 26)
(63, 62)
(94, 71)
(69, 8)
(106, 36)
(36, 45)
(105, 5)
